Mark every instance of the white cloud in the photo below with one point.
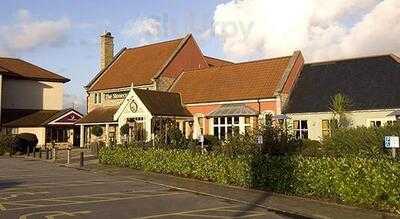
(27, 33)
(321, 29)
(143, 29)
(74, 101)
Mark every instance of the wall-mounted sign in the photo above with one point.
(133, 107)
(391, 142)
(117, 95)
(260, 139)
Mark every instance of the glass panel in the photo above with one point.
(216, 132)
(223, 132)
(247, 120)
(304, 134)
(304, 124)
(216, 121)
(236, 119)
(230, 130)
(222, 120)
(229, 120)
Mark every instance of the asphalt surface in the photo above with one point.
(40, 189)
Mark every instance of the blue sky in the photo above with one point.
(76, 55)
(63, 35)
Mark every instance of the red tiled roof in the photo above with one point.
(99, 115)
(17, 68)
(214, 62)
(136, 65)
(241, 81)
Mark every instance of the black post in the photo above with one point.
(28, 151)
(40, 153)
(34, 152)
(81, 163)
(47, 153)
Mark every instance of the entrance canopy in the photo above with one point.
(233, 110)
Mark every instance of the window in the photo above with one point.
(375, 123)
(226, 126)
(201, 125)
(247, 124)
(95, 98)
(300, 128)
(326, 131)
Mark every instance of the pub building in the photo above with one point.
(146, 86)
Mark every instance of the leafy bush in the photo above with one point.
(97, 131)
(124, 129)
(360, 141)
(5, 143)
(311, 148)
(211, 141)
(359, 181)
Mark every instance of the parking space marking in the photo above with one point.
(103, 199)
(185, 212)
(63, 184)
(11, 195)
(53, 214)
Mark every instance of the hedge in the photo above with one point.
(363, 182)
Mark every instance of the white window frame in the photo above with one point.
(225, 125)
(301, 129)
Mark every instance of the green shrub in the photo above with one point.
(311, 148)
(358, 181)
(360, 141)
(5, 143)
(97, 131)
(124, 129)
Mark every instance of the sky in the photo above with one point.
(63, 35)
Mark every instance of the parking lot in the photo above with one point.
(40, 189)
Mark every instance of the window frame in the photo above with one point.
(225, 126)
(300, 129)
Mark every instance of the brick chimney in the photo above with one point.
(106, 49)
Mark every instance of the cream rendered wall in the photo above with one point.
(40, 133)
(358, 118)
(36, 94)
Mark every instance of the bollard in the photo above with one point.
(40, 153)
(68, 155)
(47, 153)
(34, 152)
(28, 151)
(81, 163)
(54, 154)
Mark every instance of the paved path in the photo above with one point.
(40, 189)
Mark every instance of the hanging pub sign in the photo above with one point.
(117, 95)
(391, 142)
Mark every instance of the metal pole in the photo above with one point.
(47, 153)
(81, 163)
(27, 151)
(40, 153)
(394, 152)
(68, 155)
(34, 152)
